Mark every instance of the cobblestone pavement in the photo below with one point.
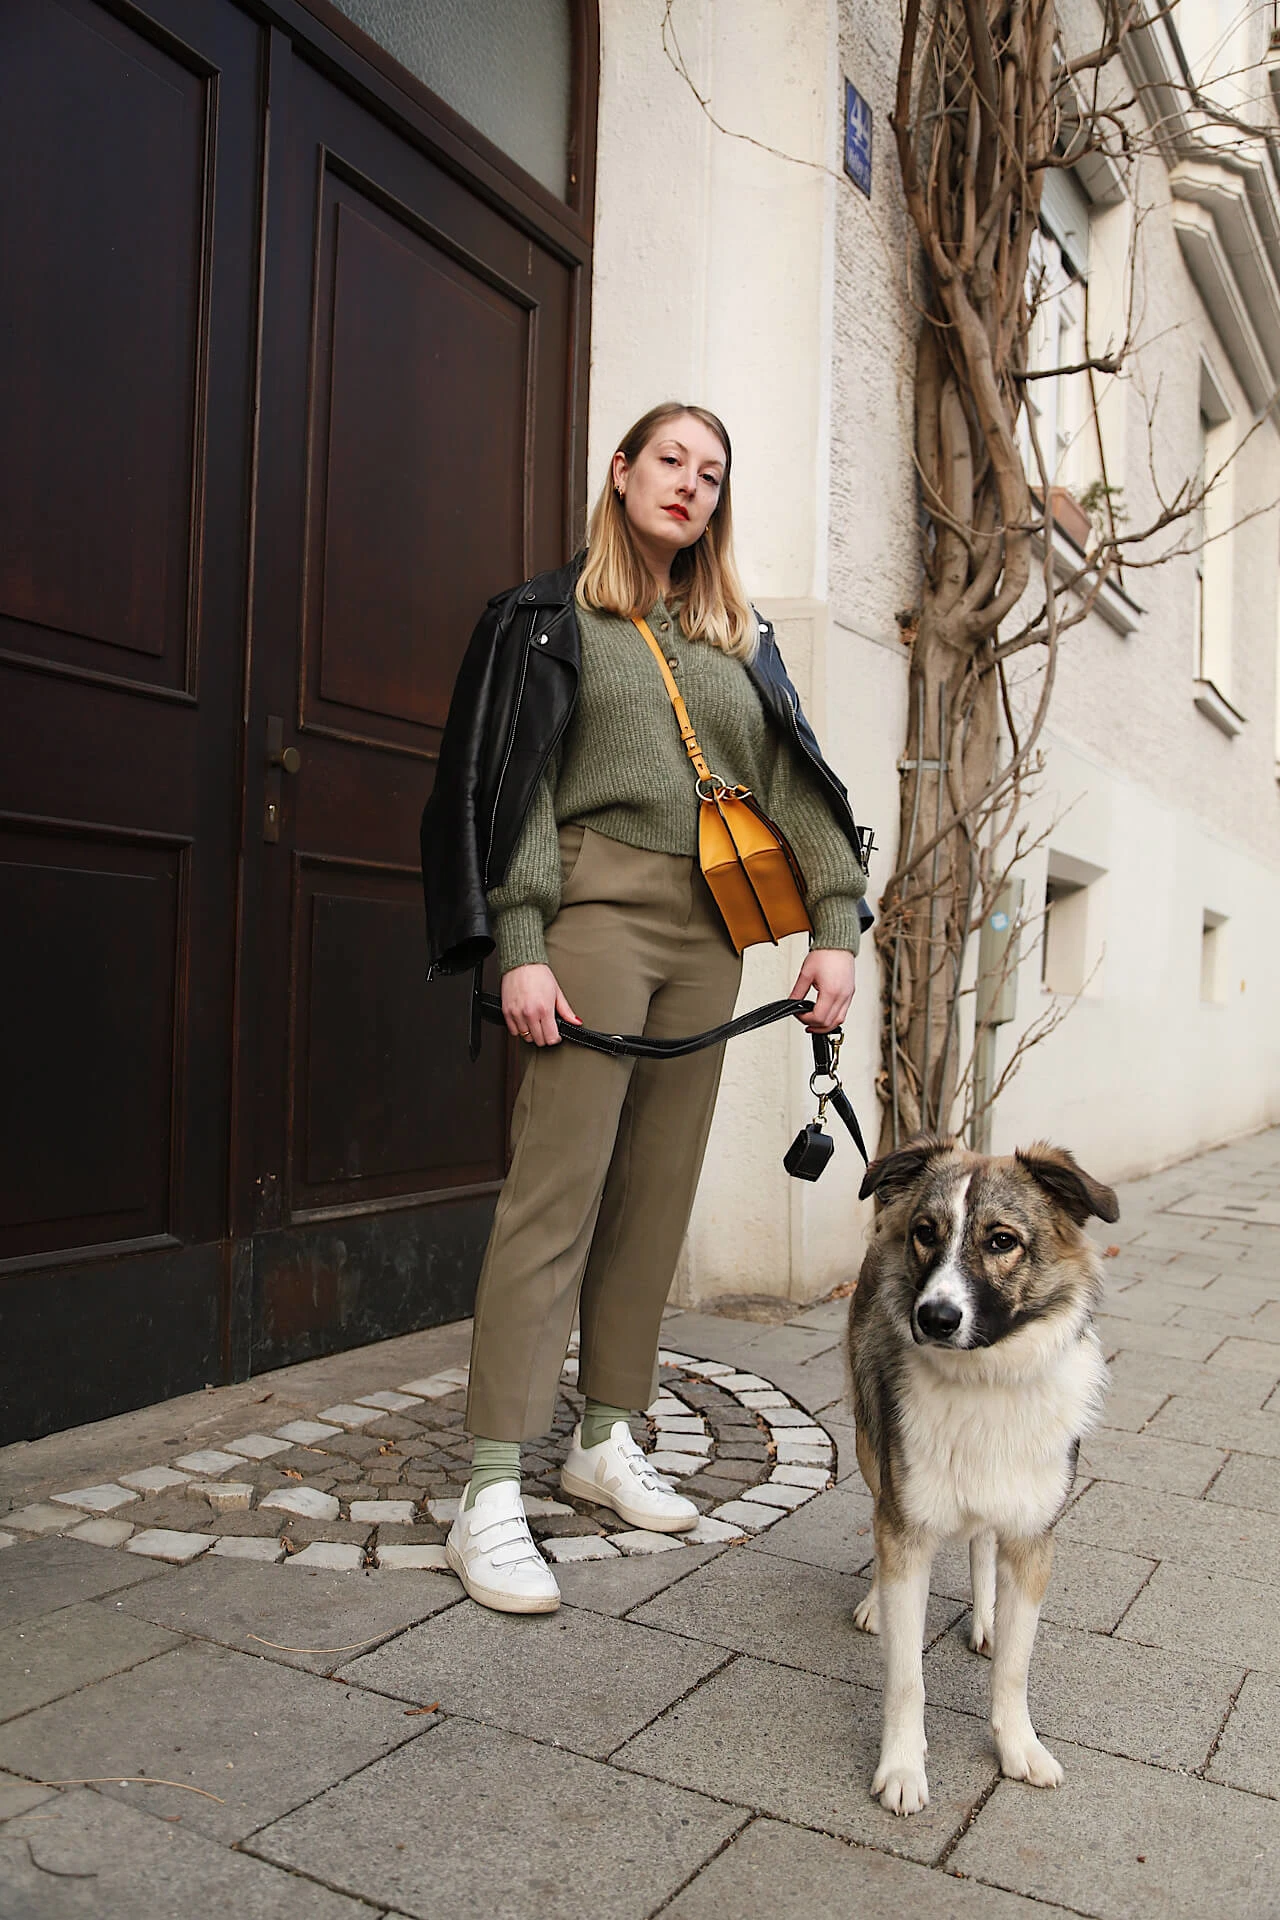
(694, 1732)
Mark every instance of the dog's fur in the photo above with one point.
(976, 1372)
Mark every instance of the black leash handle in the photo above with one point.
(487, 1006)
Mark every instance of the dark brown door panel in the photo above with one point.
(387, 1103)
(417, 389)
(420, 408)
(92, 983)
(130, 150)
(109, 154)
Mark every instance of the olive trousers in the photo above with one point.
(606, 1152)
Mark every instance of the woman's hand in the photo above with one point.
(531, 999)
(829, 971)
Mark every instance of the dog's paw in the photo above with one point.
(900, 1789)
(1022, 1757)
(981, 1636)
(867, 1613)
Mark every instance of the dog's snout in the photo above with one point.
(938, 1319)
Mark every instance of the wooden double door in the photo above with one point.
(287, 390)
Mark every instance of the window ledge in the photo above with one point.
(1111, 603)
(1216, 707)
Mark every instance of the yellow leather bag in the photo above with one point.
(754, 876)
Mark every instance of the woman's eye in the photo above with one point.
(712, 479)
(1003, 1242)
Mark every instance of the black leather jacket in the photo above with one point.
(513, 698)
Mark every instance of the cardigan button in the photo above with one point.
(673, 663)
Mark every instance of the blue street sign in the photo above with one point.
(857, 138)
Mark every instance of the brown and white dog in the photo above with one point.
(976, 1371)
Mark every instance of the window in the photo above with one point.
(1059, 403)
(1212, 538)
(1071, 946)
(1213, 958)
(506, 68)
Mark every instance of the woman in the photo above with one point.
(563, 829)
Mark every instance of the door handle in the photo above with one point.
(278, 755)
(280, 759)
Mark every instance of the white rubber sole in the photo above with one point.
(498, 1598)
(634, 1516)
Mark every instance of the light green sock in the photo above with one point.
(598, 1419)
(491, 1461)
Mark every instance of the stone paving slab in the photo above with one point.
(258, 1736)
(1165, 1526)
(1121, 1840)
(1145, 1460)
(1092, 1587)
(1211, 1611)
(1128, 1409)
(315, 1620)
(1238, 1353)
(1248, 1480)
(39, 1519)
(541, 1676)
(616, 1586)
(90, 1857)
(1160, 1373)
(1248, 1754)
(803, 1748)
(44, 1659)
(1140, 1336)
(779, 1872)
(40, 1575)
(514, 1829)
(1155, 1301)
(798, 1615)
(1220, 1426)
(20, 1796)
(831, 1531)
(1099, 1692)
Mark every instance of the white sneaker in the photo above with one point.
(491, 1550)
(616, 1474)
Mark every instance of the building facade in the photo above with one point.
(324, 322)
(1152, 904)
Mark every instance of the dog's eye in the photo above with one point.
(1002, 1242)
(925, 1232)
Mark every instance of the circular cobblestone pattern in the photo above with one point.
(374, 1482)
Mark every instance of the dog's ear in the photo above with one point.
(1063, 1180)
(902, 1167)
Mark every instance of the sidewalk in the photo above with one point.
(345, 1736)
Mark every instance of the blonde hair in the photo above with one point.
(704, 577)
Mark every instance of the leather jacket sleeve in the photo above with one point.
(456, 828)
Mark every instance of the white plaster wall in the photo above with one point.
(1143, 1071)
(711, 256)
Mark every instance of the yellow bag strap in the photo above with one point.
(687, 733)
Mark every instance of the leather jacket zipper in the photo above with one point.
(509, 747)
(552, 744)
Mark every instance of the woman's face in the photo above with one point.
(672, 488)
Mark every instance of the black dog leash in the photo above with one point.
(639, 1045)
(812, 1148)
